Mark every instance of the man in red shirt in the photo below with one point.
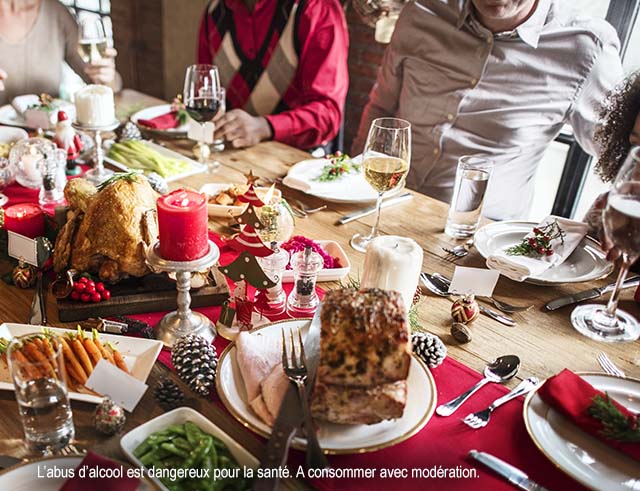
(284, 65)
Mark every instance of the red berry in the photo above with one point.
(90, 288)
(95, 297)
(106, 295)
(83, 279)
(338, 153)
(532, 241)
(91, 283)
(79, 287)
(75, 295)
(549, 252)
(100, 287)
(536, 230)
(85, 297)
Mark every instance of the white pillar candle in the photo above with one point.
(30, 163)
(393, 263)
(95, 105)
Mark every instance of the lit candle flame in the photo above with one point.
(269, 195)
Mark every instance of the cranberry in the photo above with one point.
(549, 252)
(90, 288)
(75, 295)
(100, 287)
(79, 287)
(95, 297)
(85, 297)
(83, 279)
(106, 295)
(536, 230)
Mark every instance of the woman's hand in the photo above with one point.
(3, 76)
(103, 71)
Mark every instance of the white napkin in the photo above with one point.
(22, 102)
(519, 268)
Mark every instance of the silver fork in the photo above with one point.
(481, 418)
(295, 368)
(309, 211)
(609, 367)
(458, 251)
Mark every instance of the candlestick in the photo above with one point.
(393, 263)
(98, 174)
(183, 225)
(25, 219)
(303, 300)
(183, 321)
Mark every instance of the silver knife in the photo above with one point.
(372, 209)
(444, 283)
(290, 417)
(512, 474)
(590, 294)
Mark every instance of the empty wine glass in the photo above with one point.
(621, 219)
(92, 43)
(385, 164)
(202, 101)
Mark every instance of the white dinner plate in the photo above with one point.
(588, 262)
(10, 117)
(583, 457)
(153, 112)
(351, 189)
(11, 134)
(194, 167)
(24, 477)
(139, 354)
(181, 415)
(334, 438)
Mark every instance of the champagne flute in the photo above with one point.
(92, 44)
(621, 219)
(201, 98)
(385, 165)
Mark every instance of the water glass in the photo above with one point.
(218, 143)
(36, 365)
(472, 178)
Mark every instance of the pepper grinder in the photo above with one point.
(274, 266)
(303, 300)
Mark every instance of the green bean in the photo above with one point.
(182, 443)
(143, 448)
(194, 435)
(197, 453)
(170, 447)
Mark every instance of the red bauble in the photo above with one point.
(465, 309)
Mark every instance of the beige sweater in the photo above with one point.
(34, 65)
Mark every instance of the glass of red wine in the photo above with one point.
(201, 97)
(621, 219)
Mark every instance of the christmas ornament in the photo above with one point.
(168, 394)
(128, 132)
(68, 140)
(248, 240)
(251, 179)
(195, 360)
(246, 267)
(251, 197)
(429, 348)
(460, 332)
(250, 217)
(24, 275)
(465, 309)
(158, 183)
(109, 418)
(243, 306)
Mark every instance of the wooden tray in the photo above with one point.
(151, 293)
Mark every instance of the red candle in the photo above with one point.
(25, 219)
(182, 222)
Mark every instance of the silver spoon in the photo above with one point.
(502, 369)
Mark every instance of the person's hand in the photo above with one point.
(241, 129)
(103, 71)
(3, 76)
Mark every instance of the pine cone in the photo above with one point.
(429, 348)
(168, 394)
(158, 183)
(128, 132)
(195, 361)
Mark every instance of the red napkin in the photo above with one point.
(572, 396)
(162, 122)
(95, 461)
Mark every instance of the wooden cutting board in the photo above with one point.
(151, 293)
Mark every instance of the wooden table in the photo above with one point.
(545, 342)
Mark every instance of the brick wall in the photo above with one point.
(365, 55)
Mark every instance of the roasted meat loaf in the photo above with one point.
(365, 354)
(364, 339)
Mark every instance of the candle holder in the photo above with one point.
(98, 174)
(183, 321)
(25, 158)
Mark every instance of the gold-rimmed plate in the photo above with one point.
(32, 475)
(334, 438)
(583, 457)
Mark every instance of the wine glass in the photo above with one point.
(621, 219)
(6, 178)
(92, 44)
(201, 97)
(386, 159)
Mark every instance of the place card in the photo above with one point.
(23, 248)
(474, 281)
(200, 132)
(123, 389)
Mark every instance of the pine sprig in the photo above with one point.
(129, 176)
(616, 426)
(340, 164)
(540, 243)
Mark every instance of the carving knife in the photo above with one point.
(372, 209)
(512, 474)
(290, 417)
(590, 294)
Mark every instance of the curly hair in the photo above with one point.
(618, 117)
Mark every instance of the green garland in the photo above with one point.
(616, 426)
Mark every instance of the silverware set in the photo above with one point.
(609, 367)
(458, 251)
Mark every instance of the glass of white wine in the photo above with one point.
(621, 220)
(385, 165)
(92, 44)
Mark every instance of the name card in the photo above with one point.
(123, 389)
(23, 248)
(474, 281)
(200, 132)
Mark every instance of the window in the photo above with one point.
(80, 8)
